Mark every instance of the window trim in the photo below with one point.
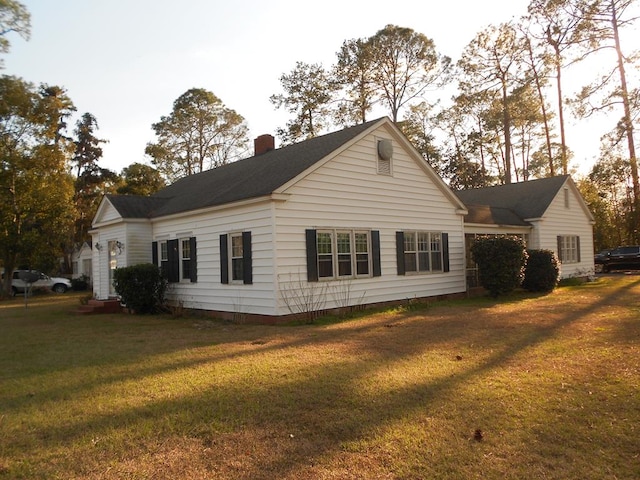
(167, 256)
(401, 252)
(226, 258)
(564, 249)
(313, 254)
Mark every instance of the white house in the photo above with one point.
(81, 262)
(549, 213)
(350, 218)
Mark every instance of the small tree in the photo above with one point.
(501, 261)
(542, 271)
(141, 287)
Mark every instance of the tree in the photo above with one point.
(92, 181)
(36, 190)
(353, 73)
(308, 93)
(199, 134)
(418, 127)
(492, 64)
(140, 179)
(14, 17)
(558, 26)
(405, 64)
(605, 20)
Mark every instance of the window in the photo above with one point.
(164, 258)
(566, 198)
(185, 259)
(237, 257)
(176, 259)
(422, 252)
(236, 264)
(336, 254)
(569, 248)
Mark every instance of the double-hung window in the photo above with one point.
(185, 259)
(422, 252)
(569, 248)
(236, 264)
(176, 259)
(334, 254)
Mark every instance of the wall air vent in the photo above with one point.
(385, 149)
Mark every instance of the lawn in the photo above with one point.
(525, 387)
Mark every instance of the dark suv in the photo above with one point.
(621, 258)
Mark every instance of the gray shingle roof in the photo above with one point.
(245, 179)
(525, 200)
(136, 206)
(488, 215)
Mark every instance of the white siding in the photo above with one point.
(209, 293)
(560, 219)
(100, 260)
(107, 213)
(347, 192)
(137, 248)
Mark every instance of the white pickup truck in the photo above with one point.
(57, 284)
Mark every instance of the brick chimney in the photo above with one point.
(264, 143)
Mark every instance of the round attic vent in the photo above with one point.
(385, 149)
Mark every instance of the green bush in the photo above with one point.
(141, 287)
(501, 262)
(80, 284)
(542, 271)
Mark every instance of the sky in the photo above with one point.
(126, 61)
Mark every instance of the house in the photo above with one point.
(548, 214)
(346, 219)
(81, 262)
(351, 218)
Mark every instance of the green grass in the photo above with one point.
(552, 382)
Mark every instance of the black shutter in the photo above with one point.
(247, 266)
(154, 253)
(173, 273)
(224, 260)
(400, 252)
(445, 252)
(578, 247)
(375, 253)
(312, 255)
(559, 248)
(193, 267)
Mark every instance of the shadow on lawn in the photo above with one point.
(330, 418)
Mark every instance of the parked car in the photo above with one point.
(57, 284)
(621, 258)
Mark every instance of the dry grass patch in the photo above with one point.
(526, 387)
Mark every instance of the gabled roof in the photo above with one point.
(252, 177)
(136, 206)
(519, 201)
(489, 215)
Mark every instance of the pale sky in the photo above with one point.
(126, 61)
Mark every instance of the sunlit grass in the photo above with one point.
(550, 382)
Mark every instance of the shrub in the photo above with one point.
(501, 262)
(542, 271)
(141, 287)
(80, 284)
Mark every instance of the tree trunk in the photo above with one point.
(628, 124)
(545, 115)
(506, 117)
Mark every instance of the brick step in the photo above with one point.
(99, 306)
